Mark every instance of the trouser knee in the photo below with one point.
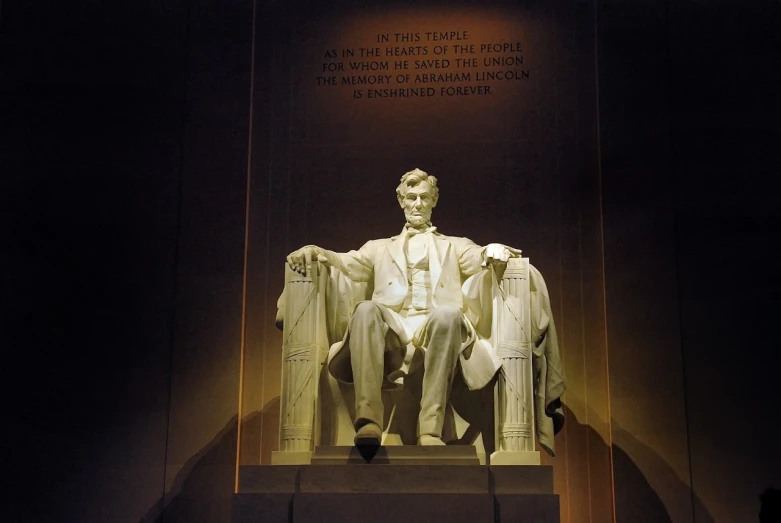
(366, 311)
(446, 316)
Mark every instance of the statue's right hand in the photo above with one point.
(302, 258)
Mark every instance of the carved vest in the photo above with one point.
(418, 300)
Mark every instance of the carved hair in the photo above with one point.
(413, 178)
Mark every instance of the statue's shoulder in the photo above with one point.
(381, 241)
(377, 244)
(458, 240)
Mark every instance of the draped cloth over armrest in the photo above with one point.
(548, 371)
(342, 295)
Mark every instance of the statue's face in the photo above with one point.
(418, 204)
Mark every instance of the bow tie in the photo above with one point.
(411, 231)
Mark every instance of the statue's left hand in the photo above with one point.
(498, 253)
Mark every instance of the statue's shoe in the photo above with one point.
(428, 440)
(369, 435)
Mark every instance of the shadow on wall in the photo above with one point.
(203, 489)
(636, 500)
(266, 421)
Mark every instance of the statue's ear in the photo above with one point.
(400, 199)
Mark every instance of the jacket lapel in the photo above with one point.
(396, 250)
(438, 247)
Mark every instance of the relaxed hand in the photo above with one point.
(302, 258)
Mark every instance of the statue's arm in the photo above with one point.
(356, 265)
(472, 257)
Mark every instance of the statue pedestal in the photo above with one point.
(301, 457)
(388, 492)
(386, 455)
(509, 457)
(398, 455)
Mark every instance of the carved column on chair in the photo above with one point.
(304, 341)
(514, 393)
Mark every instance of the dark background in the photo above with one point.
(124, 160)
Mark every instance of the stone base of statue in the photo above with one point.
(397, 455)
(384, 491)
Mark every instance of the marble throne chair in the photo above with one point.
(317, 411)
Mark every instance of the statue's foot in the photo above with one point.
(427, 440)
(368, 436)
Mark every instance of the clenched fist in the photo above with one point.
(498, 253)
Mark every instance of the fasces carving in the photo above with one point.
(304, 346)
(408, 339)
(514, 401)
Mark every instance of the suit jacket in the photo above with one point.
(383, 265)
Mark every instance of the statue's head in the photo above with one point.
(417, 194)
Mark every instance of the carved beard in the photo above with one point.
(418, 221)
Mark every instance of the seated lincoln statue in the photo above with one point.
(424, 316)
